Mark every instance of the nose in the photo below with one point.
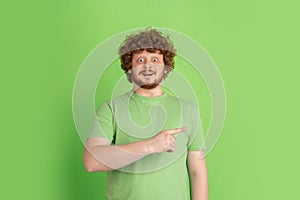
(147, 63)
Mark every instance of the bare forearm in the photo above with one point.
(199, 186)
(109, 157)
(99, 155)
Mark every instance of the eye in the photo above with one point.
(154, 59)
(141, 60)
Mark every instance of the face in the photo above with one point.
(147, 69)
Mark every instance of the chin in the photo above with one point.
(149, 86)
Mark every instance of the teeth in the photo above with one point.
(147, 74)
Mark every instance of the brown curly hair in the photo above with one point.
(150, 40)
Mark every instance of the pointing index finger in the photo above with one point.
(177, 130)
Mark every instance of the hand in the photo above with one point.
(164, 141)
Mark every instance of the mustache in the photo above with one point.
(147, 71)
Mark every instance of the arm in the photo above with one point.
(198, 175)
(99, 155)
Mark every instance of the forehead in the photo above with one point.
(147, 53)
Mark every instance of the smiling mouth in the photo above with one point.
(147, 74)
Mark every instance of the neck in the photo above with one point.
(155, 92)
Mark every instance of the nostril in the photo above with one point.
(147, 66)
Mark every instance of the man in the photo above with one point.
(147, 140)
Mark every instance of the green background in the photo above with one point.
(255, 45)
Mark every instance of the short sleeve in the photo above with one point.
(196, 138)
(103, 122)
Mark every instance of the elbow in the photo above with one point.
(96, 169)
(88, 167)
(91, 164)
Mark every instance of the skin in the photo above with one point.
(147, 75)
(147, 72)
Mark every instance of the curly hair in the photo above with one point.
(150, 40)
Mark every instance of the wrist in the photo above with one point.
(148, 148)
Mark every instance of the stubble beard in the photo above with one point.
(147, 86)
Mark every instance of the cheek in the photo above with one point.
(160, 70)
(135, 71)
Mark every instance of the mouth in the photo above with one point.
(147, 74)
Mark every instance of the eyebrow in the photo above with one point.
(141, 54)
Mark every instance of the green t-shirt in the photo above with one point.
(130, 118)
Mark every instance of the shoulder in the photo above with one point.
(112, 102)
